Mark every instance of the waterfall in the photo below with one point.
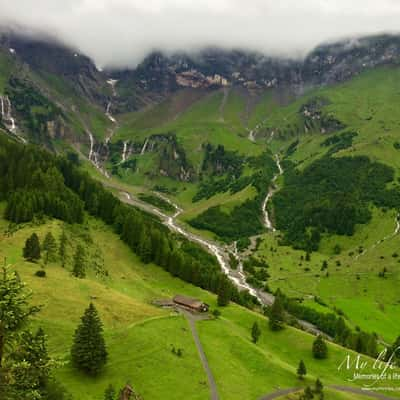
(92, 154)
(112, 83)
(6, 115)
(144, 147)
(271, 191)
(7, 118)
(124, 150)
(108, 113)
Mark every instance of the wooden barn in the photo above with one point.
(190, 303)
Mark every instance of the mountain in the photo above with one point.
(286, 172)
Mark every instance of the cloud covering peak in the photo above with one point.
(121, 32)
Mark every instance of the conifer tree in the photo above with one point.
(110, 393)
(50, 247)
(88, 352)
(25, 372)
(301, 370)
(32, 248)
(277, 313)
(342, 332)
(319, 348)
(308, 394)
(145, 249)
(394, 351)
(255, 332)
(224, 292)
(318, 386)
(14, 307)
(62, 250)
(30, 365)
(79, 267)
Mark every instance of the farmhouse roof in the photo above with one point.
(187, 301)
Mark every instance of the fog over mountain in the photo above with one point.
(121, 32)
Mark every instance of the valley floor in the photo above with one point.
(140, 337)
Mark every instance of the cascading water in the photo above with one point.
(144, 147)
(124, 151)
(7, 118)
(92, 154)
(6, 114)
(221, 253)
(271, 191)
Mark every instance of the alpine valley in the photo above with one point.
(267, 188)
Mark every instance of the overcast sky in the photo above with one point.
(122, 32)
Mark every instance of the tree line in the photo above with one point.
(243, 220)
(35, 180)
(326, 198)
(331, 324)
(32, 185)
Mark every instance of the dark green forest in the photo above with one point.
(34, 183)
(327, 198)
(245, 219)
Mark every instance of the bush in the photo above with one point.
(319, 348)
(216, 313)
(41, 273)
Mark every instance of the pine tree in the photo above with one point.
(25, 372)
(145, 249)
(372, 346)
(224, 292)
(318, 386)
(319, 348)
(79, 267)
(62, 250)
(277, 313)
(341, 331)
(14, 307)
(308, 394)
(395, 350)
(32, 248)
(30, 365)
(110, 393)
(301, 370)
(88, 352)
(255, 332)
(50, 247)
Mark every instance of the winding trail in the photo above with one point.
(191, 318)
(271, 191)
(395, 233)
(340, 388)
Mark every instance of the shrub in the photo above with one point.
(41, 273)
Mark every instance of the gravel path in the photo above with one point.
(211, 381)
(340, 388)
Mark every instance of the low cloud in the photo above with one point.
(121, 32)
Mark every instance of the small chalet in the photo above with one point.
(190, 303)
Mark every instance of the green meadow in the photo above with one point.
(140, 336)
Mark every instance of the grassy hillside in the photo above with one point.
(140, 336)
(365, 105)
